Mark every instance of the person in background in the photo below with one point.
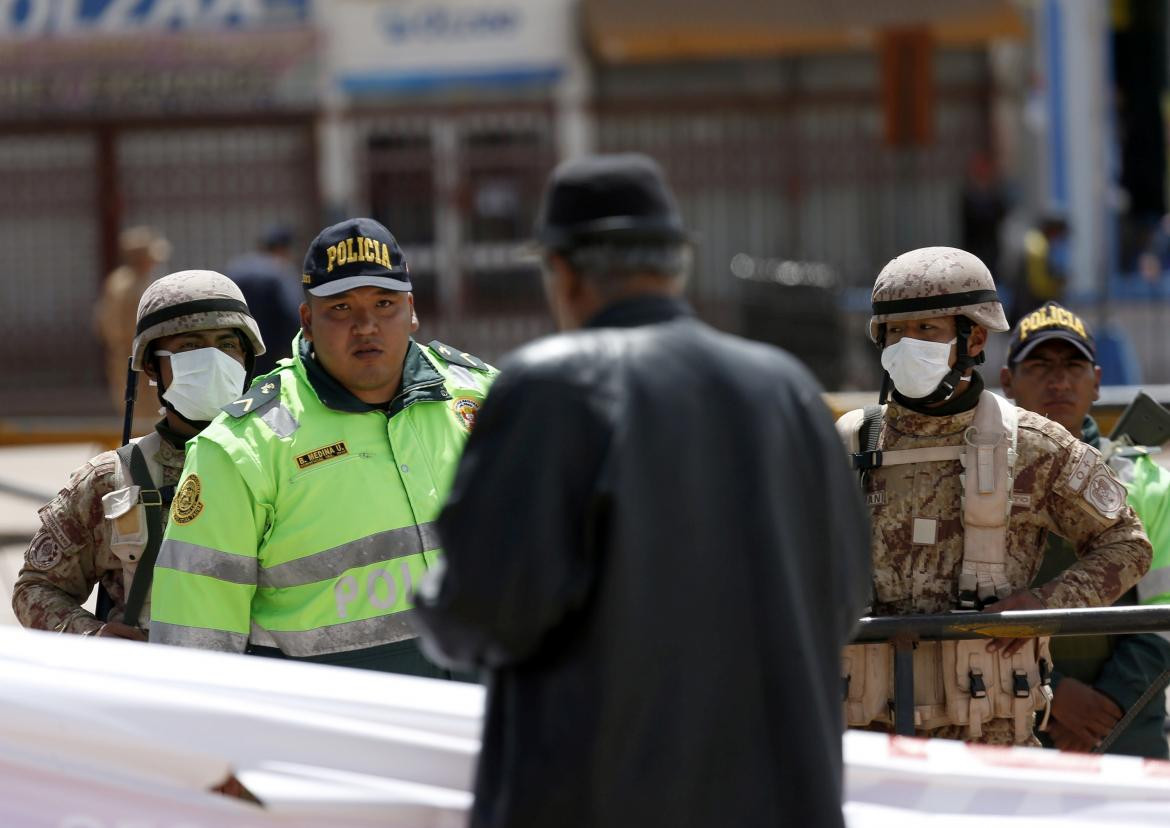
(269, 281)
(1052, 370)
(143, 250)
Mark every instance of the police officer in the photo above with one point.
(963, 489)
(194, 338)
(304, 517)
(1052, 370)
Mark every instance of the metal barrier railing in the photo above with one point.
(904, 631)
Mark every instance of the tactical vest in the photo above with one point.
(956, 682)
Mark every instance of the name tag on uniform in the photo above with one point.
(925, 531)
(876, 498)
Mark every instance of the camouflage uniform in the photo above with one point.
(71, 552)
(1061, 485)
(1111, 546)
(77, 546)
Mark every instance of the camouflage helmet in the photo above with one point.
(936, 281)
(192, 300)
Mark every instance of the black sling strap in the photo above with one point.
(155, 500)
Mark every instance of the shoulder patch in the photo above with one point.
(1105, 493)
(260, 392)
(44, 554)
(457, 357)
(187, 504)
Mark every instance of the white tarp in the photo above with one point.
(98, 734)
(112, 734)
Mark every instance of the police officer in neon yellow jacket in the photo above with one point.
(303, 519)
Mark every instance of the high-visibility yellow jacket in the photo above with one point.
(303, 519)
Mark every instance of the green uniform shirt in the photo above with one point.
(304, 517)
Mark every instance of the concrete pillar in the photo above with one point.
(1073, 48)
(575, 127)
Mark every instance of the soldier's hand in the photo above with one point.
(1085, 713)
(1022, 600)
(116, 629)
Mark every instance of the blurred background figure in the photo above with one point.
(985, 204)
(1042, 272)
(142, 250)
(268, 279)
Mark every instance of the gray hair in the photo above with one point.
(606, 262)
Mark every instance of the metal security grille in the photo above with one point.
(797, 167)
(210, 189)
(459, 187)
(785, 161)
(49, 232)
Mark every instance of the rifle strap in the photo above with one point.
(155, 500)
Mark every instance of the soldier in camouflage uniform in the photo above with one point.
(932, 310)
(96, 529)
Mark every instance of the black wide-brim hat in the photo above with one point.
(608, 198)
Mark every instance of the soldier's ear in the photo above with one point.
(1096, 382)
(1005, 382)
(976, 340)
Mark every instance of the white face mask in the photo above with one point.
(917, 366)
(203, 381)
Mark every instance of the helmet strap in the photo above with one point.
(887, 386)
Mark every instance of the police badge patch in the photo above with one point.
(187, 505)
(44, 554)
(1105, 493)
(466, 410)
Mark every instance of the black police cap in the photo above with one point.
(357, 252)
(618, 198)
(1049, 322)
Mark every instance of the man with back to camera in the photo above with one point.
(654, 545)
(305, 514)
(963, 489)
(1052, 370)
(195, 338)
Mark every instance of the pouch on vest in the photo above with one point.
(988, 473)
(128, 527)
(866, 674)
(983, 686)
(930, 700)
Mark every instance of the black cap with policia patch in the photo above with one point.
(1052, 321)
(355, 253)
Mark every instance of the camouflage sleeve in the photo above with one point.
(1087, 506)
(61, 563)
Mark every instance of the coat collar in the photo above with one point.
(642, 310)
